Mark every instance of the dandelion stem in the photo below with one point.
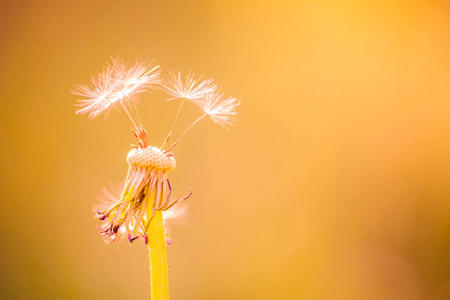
(158, 258)
(173, 124)
(195, 122)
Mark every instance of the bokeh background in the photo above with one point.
(334, 185)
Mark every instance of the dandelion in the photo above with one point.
(145, 199)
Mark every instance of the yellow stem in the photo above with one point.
(158, 257)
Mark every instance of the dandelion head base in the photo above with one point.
(151, 157)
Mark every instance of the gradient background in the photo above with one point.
(334, 185)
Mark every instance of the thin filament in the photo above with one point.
(173, 124)
(123, 117)
(195, 122)
(133, 111)
(137, 112)
(131, 118)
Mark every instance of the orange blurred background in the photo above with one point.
(334, 184)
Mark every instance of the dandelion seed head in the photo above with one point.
(151, 157)
(146, 190)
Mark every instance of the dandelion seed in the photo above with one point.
(191, 89)
(221, 111)
(136, 78)
(100, 95)
(118, 83)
